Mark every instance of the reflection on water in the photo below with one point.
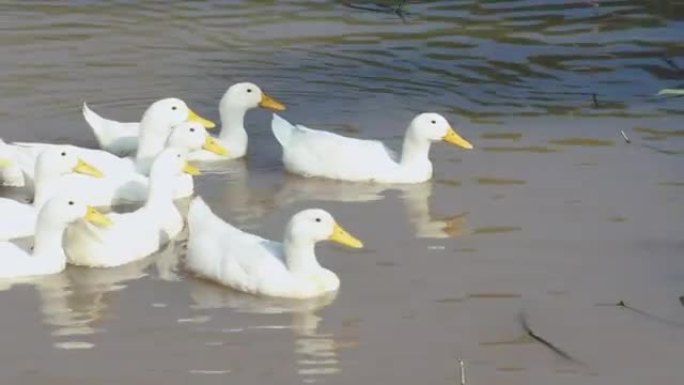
(75, 301)
(248, 204)
(316, 351)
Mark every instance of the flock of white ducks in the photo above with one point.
(149, 163)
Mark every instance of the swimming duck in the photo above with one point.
(157, 124)
(314, 153)
(125, 180)
(19, 219)
(122, 138)
(47, 256)
(249, 263)
(135, 235)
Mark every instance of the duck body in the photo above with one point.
(246, 262)
(131, 237)
(123, 138)
(314, 153)
(135, 235)
(20, 264)
(18, 219)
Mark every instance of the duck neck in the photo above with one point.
(48, 239)
(161, 192)
(151, 141)
(300, 255)
(44, 186)
(233, 127)
(415, 151)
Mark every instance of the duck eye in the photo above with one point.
(71, 203)
(178, 156)
(192, 130)
(434, 122)
(63, 153)
(249, 90)
(318, 219)
(174, 108)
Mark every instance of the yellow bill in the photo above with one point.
(190, 169)
(214, 145)
(341, 235)
(269, 102)
(85, 168)
(193, 117)
(92, 215)
(454, 138)
(5, 162)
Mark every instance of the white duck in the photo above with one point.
(157, 124)
(122, 138)
(135, 235)
(123, 182)
(19, 219)
(315, 153)
(249, 263)
(47, 256)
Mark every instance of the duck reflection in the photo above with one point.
(316, 352)
(76, 300)
(246, 204)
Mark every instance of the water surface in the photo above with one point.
(552, 215)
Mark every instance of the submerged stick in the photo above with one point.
(625, 136)
(653, 317)
(671, 63)
(380, 8)
(595, 100)
(463, 376)
(545, 342)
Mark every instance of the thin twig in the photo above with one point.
(463, 376)
(595, 99)
(625, 136)
(543, 341)
(672, 63)
(381, 8)
(650, 316)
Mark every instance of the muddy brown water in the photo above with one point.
(552, 215)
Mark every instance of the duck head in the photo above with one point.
(435, 127)
(314, 225)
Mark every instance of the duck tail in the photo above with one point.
(98, 124)
(282, 129)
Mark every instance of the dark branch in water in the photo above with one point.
(672, 64)
(543, 341)
(595, 100)
(650, 316)
(380, 8)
